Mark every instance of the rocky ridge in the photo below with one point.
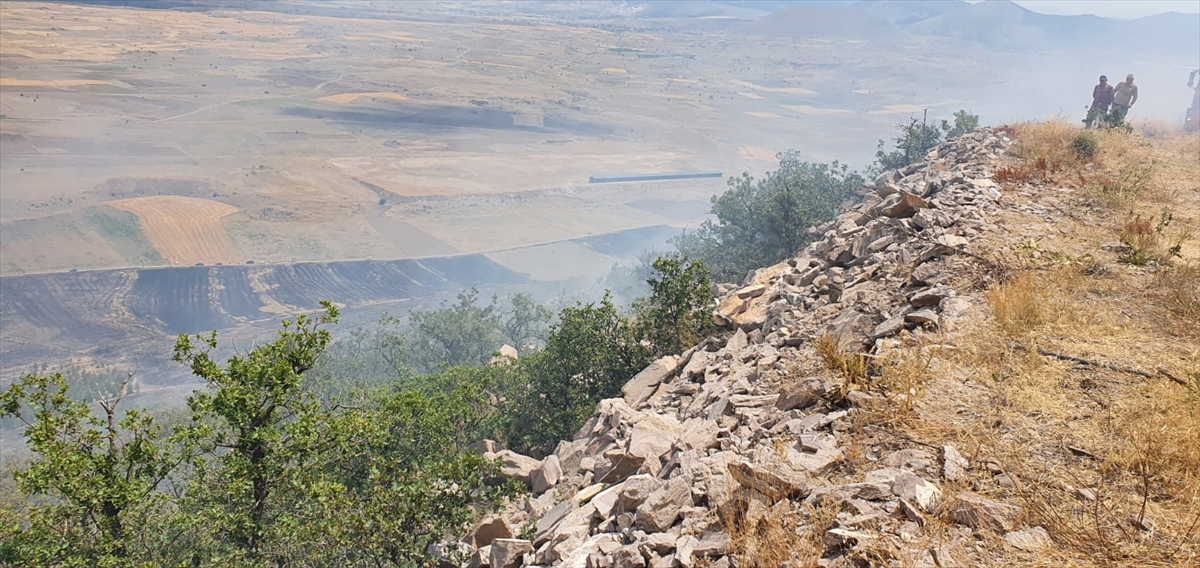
(736, 427)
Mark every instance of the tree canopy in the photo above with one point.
(759, 222)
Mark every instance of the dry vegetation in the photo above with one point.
(1074, 390)
(1090, 356)
(776, 535)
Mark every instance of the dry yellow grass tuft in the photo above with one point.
(851, 366)
(776, 535)
(1178, 290)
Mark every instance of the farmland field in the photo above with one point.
(183, 230)
(362, 151)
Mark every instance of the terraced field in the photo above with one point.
(184, 230)
(130, 315)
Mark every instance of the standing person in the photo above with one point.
(1124, 95)
(1102, 97)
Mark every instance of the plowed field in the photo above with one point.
(184, 230)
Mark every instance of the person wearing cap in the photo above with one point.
(1124, 95)
(1102, 97)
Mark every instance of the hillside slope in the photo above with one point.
(990, 360)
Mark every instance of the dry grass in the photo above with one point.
(851, 366)
(1178, 290)
(1106, 456)
(1049, 143)
(1020, 306)
(1107, 461)
(781, 534)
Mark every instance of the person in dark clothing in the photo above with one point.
(1102, 98)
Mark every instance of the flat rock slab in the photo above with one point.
(980, 512)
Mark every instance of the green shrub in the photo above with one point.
(1085, 145)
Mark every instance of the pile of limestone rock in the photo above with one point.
(648, 478)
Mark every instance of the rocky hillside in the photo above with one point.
(877, 401)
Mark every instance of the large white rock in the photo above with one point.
(507, 552)
(546, 476)
(514, 465)
(983, 513)
(664, 506)
(642, 386)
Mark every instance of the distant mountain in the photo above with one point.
(905, 12)
(994, 23)
(1002, 23)
(777, 5)
(700, 9)
(805, 21)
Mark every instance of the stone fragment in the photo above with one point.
(817, 463)
(923, 494)
(684, 550)
(872, 520)
(618, 467)
(796, 397)
(842, 538)
(923, 316)
(1029, 540)
(907, 485)
(652, 436)
(576, 525)
(954, 306)
(484, 447)
(507, 355)
(910, 458)
(746, 400)
(635, 491)
(980, 512)
(885, 178)
(489, 530)
(663, 507)
(927, 218)
(597, 560)
(548, 522)
(753, 291)
(699, 434)
(546, 476)
(695, 366)
(728, 309)
(507, 552)
(928, 273)
(643, 385)
(569, 455)
(712, 544)
(901, 205)
(481, 558)
(515, 466)
(540, 505)
(783, 474)
(606, 501)
(888, 327)
(587, 493)
(954, 465)
(628, 558)
(659, 543)
(930, 297)
(952, 241)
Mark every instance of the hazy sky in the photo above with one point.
(1111, 8)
